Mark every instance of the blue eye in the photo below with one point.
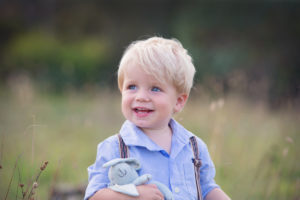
(156, 89)
(132, 87)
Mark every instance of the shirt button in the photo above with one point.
(177, 190)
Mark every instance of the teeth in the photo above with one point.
(142, 109)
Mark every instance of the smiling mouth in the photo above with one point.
(142, 110)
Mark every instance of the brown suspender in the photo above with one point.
(124, 153)
(197, 165)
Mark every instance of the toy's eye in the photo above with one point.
(122, 173)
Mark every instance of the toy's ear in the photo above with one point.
(131, 161)
(112, 162)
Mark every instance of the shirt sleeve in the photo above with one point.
(98, 176)
(207, 170)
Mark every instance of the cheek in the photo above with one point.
(125, 104)
(165, 102)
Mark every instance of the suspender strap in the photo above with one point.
(124, 153)
(197, 165)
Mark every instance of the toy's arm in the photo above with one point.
(164, 190)
(130, 189)
(142, 179)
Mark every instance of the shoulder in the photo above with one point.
(204, 154)
(111, 140)
(109, 146)
(201, 143)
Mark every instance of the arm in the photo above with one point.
(147, 192)
(216, 194)
(142, 179)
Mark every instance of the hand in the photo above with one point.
(217, 194)
(149, 192)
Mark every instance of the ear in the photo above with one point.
(180, 102)
(133, 163)
(113, 162)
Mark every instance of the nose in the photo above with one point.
(142, 96)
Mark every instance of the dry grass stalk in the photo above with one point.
(1, 151)
(32, 188)
(11, 178)
(34, 185)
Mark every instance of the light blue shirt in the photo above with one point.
(175, 170)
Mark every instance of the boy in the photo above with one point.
(155, 77)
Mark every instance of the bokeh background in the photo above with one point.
(59, 97)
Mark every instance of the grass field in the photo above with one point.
(255, 149)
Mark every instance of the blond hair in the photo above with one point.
(165, 59)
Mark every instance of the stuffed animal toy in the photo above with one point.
(124, 178)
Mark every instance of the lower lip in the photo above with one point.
(142, 114)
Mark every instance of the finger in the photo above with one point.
(152, 185)
(160, 195)
(160, 198)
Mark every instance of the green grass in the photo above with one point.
(255, 149)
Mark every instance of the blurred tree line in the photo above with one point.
(249, 47)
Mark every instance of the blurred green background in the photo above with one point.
(59, 97)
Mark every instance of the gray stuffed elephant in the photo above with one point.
(124, 178)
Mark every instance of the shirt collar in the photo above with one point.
(134, 136)
(180, 138)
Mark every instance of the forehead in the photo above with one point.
(136, 72)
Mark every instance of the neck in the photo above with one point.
(162, 137)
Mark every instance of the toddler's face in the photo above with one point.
(147, 102)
